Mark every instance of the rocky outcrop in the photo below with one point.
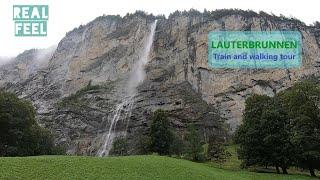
(183, 47)
(24, 65)
(76, 90)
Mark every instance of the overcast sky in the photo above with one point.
(64, 15)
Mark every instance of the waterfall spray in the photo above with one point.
(124, 108)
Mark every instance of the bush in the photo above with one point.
(120, 147)
(216, 149)
(143, 144)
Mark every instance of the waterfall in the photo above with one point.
(123, 109)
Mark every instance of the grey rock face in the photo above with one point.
(24, 65)
(76, 91)
(183, 47)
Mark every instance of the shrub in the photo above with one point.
(216, 149)
(143, 144)
(120, 147)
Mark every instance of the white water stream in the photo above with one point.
(124, 108)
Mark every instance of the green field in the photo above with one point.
(130, 167)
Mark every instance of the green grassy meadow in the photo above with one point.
(129, 167)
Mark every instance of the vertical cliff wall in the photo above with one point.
(77, 88)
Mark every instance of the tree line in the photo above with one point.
(163, 140)
(282, 131)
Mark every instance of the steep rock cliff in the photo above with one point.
(76, 92)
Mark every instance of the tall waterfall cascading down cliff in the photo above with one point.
(123, 109)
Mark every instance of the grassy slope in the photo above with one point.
(233, 163)
(131, 167)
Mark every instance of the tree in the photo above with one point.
(161, 136)
(301, 102)
(249, 135)
(264, 136)
(282, 131)
(194, 147)
(119, 147)
(177, 146)
(275, 125)
(143, 144)
(20, 135)
(216, 149)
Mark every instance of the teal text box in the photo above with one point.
(30, 12)
(255, 49)
(26, 28)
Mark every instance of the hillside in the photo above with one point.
(79, 91)
(131, 167)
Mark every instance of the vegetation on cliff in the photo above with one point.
(76, 98)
